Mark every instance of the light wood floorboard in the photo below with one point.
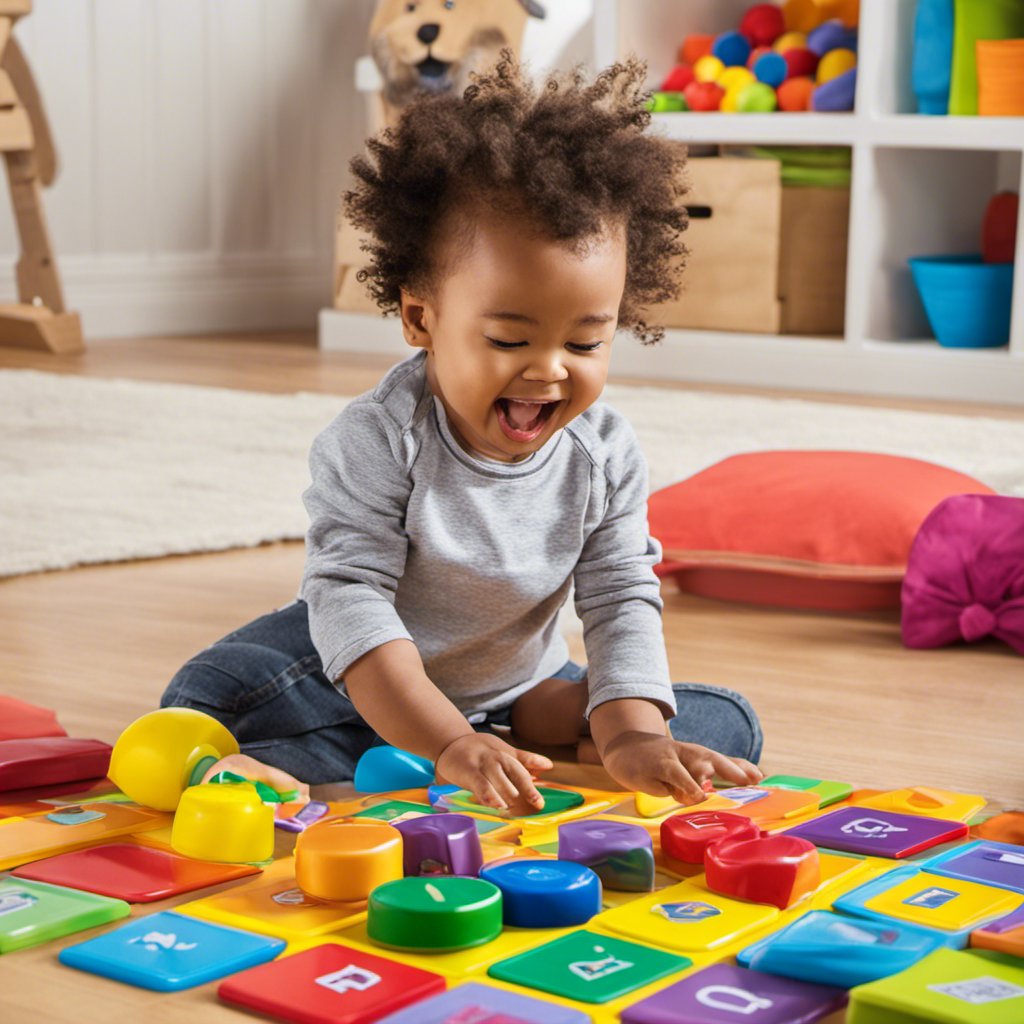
(839, 696)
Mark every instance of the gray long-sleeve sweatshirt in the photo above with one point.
(412, 537)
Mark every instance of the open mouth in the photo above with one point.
(523, 421)
(431, 67)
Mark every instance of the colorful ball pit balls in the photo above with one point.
(791, 41)
(695, 47)
(704, 96)
(732, 49)
(762, 24)
(735, 77)
(707, 69)
(801, 62)
(794, 95)
(667, 103)
(756, 54)
(677, 79)
(832, 35)
(756, 98)
(836, 96)
(802, 15)
(834, 64)
(771, 69)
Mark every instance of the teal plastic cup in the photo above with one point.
(967, 300)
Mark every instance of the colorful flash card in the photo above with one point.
(877, 833)
(722, 994)
(1006, 934)
(137, 874)
(830, 949)
(49, 760)
(588, 967)
(168, 951)
(475, 1003)
(21, 720)
(329, 984)
(32, 912)
(998, 864)
(946, 987)
(828, 792)
(950, 905)
(43, 799)
(71, 828)
(927, 801)
(687, 917)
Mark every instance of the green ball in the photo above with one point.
(667, 102)
(437, 914)
(757, 98)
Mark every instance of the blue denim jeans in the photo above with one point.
(266, 683)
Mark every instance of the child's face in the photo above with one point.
(519, 338)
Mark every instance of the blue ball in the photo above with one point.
(771, 69)
(545, 893)
(732, 49)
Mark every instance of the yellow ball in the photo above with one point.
(835, 63)
(735, 78)
(707, 69)
(791, 41)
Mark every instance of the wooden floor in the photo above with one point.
(838, 695)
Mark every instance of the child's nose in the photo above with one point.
(545, 367)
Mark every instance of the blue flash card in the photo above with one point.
(169, 951)
(998, 864)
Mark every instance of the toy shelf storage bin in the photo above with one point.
(764, 256)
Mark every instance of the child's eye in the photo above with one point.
(505, 344)
(587, 348)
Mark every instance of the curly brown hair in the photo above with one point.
(571, 160)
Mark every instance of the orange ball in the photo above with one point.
(794, 94)
(802, 15)
(695, 47)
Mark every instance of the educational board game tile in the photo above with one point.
(477, 1003)
(926, 801)
(723, 994)
(393, 810)
(588, 967)
(947, 987)
(329, 984)
(827, 948)
(169, 951)
(877, 833)
(997, 864)
(138, 874)
(34, 912)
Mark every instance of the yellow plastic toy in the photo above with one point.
(164, 752)
(926, 801)
(344, 860)
(225, 822)
(835, 63)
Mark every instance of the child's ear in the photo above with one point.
(414, 321)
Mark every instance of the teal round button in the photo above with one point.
(434, 915)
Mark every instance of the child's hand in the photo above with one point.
(241, 764)
(495, 772)
(652, 763)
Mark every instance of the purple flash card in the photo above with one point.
(474, 1003)
(998, 864)
(1010, 923)
(723, 995)
(877, 833)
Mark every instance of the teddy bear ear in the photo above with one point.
(533, 8)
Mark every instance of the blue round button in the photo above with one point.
(546, 893)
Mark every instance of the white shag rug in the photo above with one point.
(109, 470)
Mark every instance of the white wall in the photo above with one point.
(203, 146)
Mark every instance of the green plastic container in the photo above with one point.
(978, 19)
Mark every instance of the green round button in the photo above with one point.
(434, 915)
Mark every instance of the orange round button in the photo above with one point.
(344, 861)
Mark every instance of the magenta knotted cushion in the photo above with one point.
(965, 573)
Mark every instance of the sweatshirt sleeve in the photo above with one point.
(356, 543)
(617, 592)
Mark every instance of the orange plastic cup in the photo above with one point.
(343, 861)
(1000, 64)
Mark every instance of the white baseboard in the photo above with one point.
(124, 296)
(908, 369)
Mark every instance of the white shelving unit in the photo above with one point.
(919, 186)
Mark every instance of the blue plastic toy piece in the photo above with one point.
(436, 794)
(990, 863)
(169, 951)
(545, 893)
(931, 68)
(382, 769)
(827, 948)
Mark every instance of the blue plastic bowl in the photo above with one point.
(967, 301)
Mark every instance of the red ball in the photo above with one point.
(704, 96)
(801, 63)
(763, 24)
(678, 78)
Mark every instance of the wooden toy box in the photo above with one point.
(763, 258)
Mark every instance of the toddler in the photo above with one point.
(453, 506)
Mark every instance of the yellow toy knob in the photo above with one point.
(163, 753)
(224, 822)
